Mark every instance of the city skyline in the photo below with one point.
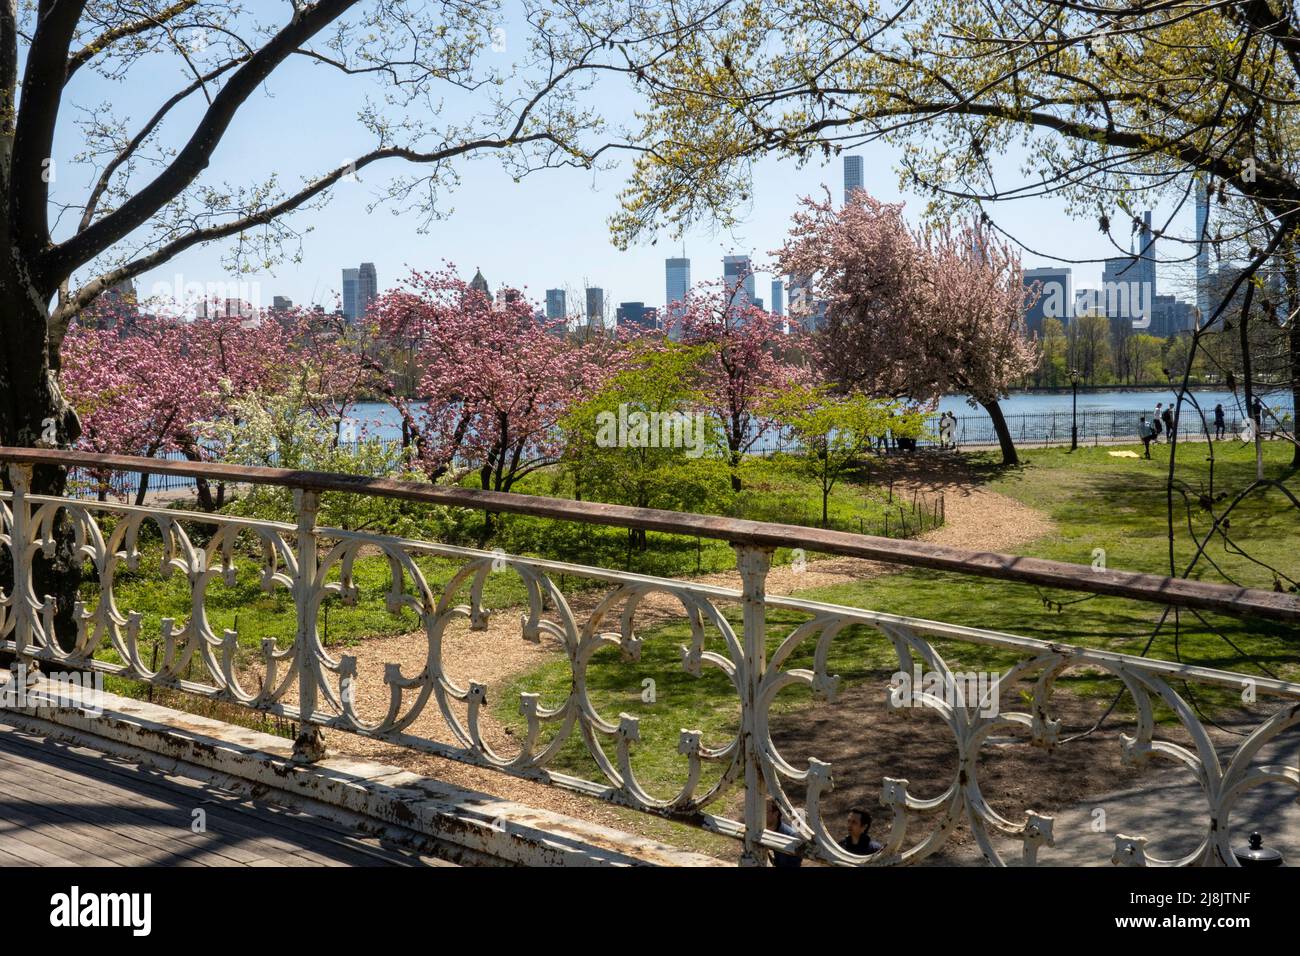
(359, 286)
(633, 275)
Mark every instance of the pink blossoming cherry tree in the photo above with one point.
(913, 313)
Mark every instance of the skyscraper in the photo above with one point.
(351, 284)
(556, 306)
(778, 293)
(738, 279)
(1147, 260)
(852, 175)
(1055, 297)
(1129, 282)
(596, 306)
(637, 316)
(360, 289)
(677, 283)
(367, 287)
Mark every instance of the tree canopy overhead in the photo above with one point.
(442, 82)
(1130, 95)
(1108, 107)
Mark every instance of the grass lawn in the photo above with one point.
(1097, 501)
(773, 491)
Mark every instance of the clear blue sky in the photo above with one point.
(546, 231)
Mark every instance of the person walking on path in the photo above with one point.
(947, 423)
(1146, 433)
(1155, 424)
(1219, 423)
(1170, 425)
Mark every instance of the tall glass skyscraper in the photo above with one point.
(367, 287)
(738, 278)
(556, 306)
(677, 283)
(778, 295)
(852, 175)
(360, 289)
(351, 282)
(596, 306)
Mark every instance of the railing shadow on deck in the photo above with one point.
(304, 682)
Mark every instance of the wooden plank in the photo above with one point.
(30, 855)
(143, 810)
(226, 836)
(53, 844)
(1056, 574)
(142, 825)
(115, 825)
(72, 826)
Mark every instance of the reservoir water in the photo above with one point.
(1032, 416)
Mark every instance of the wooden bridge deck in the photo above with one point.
(69, 806)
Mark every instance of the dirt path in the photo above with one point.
(975, 518)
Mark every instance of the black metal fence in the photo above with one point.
(1095, 425)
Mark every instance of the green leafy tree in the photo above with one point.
(645, 440)
(1053, 356)
(282, 429)
(834, 433)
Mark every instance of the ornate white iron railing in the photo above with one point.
(306, 683)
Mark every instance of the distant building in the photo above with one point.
(738, 279)
(1125, 293)
(595, 306)
(280, 303)
(556, 305)
(677, 283)
(1055, 297)
(367, 288)
(1267, 294)
(118, 307)
(351, 284)
(360, 290)
(480, 284)
(638, 316)
(804, 310)
(1169, 316)
(1129, 282)
(778, 292)
(853, 178)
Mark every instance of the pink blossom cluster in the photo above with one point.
(911, 313)
(494, 381)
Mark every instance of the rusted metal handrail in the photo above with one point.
(1155, 588)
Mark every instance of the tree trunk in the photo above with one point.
(1009, 456)
(34, 414)
(1293, 337)
(142, 490)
